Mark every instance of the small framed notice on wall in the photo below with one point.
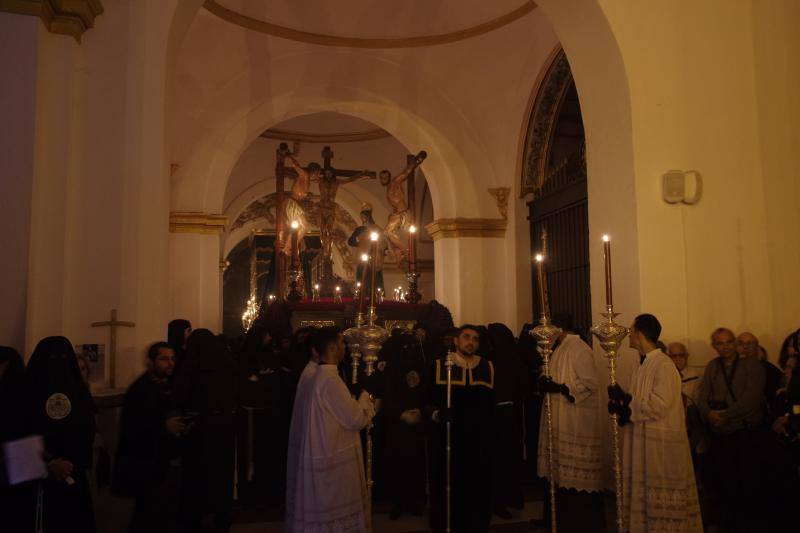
(94, 370)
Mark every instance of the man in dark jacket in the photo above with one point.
(148, 439)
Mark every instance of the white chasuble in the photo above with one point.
(326, 489)
(578, 461)
(659, 488)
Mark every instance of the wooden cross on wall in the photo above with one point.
(112, 347)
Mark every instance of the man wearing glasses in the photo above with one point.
(690, 381)
(731, 401)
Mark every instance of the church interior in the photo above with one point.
(152, 156)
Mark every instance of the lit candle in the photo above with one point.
(412, 259)
(540, 279)
(374, 238)
(607, 260)
(295, 248)
(365, 265)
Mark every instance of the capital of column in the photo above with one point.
(449, 228)
(73, 17)
(196, 222)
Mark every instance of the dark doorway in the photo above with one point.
(556, 175)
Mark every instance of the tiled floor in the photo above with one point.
(413, 524)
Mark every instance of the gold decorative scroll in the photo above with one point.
(64, 17)
(449, 228)
(192, 222)
(501, 196)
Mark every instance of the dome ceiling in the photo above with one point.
(370, 24)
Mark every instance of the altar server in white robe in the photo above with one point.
(658, 479)
(578, 466)
(326, 487)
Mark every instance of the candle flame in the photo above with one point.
(316, 285)
(539, 258)
(606, 238)
(364, 257)
(373, 236)
(358, 283)
(412, 229)
(295, 224)
(338, 288)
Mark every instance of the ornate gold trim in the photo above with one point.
(316, 323)
(283, 32)
(321, 138)
(407, 325)
(542, 122)
(448, 228)
(501, 196)
(193, 222)
(64, 17)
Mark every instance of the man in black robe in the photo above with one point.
(204, 391)
(472, 424)
(149, 429)
(62, 411)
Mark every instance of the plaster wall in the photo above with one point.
(194, 279)
(101, 190)
(716, 100)
(18, 49)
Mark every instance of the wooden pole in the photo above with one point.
(280, 258)
(412, 206)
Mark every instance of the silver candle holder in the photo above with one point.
(546, 335)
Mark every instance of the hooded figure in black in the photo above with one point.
(205, 392)
(510, 386)
(178, 332)
(15, 510)
(62, 411)
(403, 401)
(532, 403)
(262, 411)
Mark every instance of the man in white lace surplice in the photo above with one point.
(326, 489)
(578, 470)
(659, 488)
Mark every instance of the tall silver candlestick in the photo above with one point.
(546, 335)
(610, 334)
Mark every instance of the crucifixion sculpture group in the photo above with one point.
(292, 223)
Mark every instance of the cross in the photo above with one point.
(327, 157)
(112, 349)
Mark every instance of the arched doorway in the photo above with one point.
(554, 174)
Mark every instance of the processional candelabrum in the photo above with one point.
(368, 338)
(546, 335)
(610, 334)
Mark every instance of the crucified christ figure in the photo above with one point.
(293, 209)
(400, 217)
(328, 187)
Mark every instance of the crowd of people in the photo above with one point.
(212, 421)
